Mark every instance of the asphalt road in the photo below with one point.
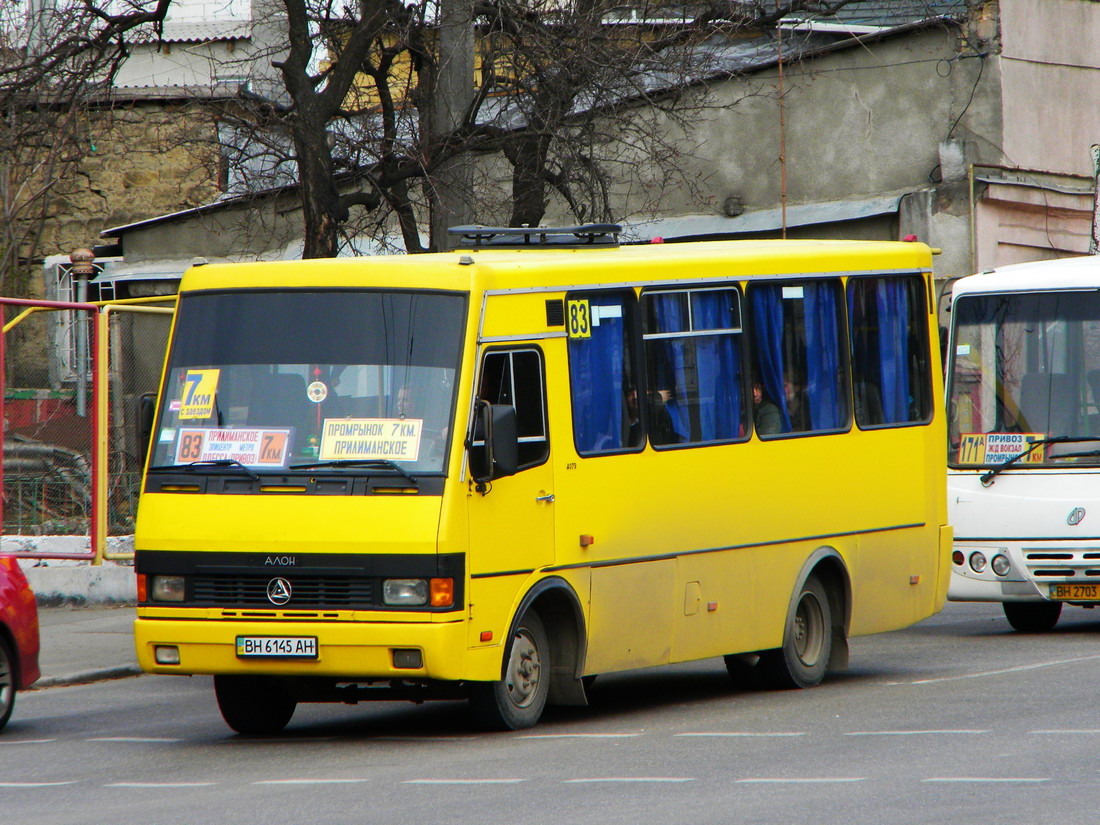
(957, 720)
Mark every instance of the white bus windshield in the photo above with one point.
(339, 379)
(1026, 369)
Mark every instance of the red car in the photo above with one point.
(18, 635)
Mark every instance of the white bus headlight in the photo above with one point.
(978, 562)
(407, 592)
(168, 588)
(1000, 565)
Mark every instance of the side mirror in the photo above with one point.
(494, 448)
(146, 415)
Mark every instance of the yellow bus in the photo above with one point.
(496, 472)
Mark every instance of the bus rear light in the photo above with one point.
(1000, 565)
(405, 592)
(958, 557)
(443, 592)
(978, 562)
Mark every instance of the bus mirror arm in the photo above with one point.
(146, 413)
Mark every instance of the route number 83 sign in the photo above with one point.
(578, 319)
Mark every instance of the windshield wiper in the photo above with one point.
(987, 477)
(384, 463)
(214, 462)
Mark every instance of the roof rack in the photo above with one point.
(512, 237)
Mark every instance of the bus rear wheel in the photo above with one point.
(807, 642)
(254, 705)
(1032, 617)
(517, 701)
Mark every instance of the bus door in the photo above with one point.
(512, 518)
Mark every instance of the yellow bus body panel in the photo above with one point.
(695, 551)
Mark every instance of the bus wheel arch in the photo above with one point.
(541, 662)
(815, 633)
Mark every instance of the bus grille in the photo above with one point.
(306, 591)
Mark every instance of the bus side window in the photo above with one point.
(603, 389)
(891, 378)
(516, 378)
(797, 352)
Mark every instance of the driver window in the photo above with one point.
(515, 378)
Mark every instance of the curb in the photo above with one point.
(81, 585)
(87, 677)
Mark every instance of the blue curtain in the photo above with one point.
(825, 406)
(719, 368)
(892, 300)
(596, 368)
(767, 313)
(668, 370)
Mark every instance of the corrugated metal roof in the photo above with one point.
(891, 13)
(195, 32)
(764, 220)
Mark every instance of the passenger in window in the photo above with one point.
(796, 403)
(634, 434)
(661, 430)
(765, 414)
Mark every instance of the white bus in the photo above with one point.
(1024, 439)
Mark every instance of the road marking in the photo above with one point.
(423, 738)
(803, 780)
(598, 779)
(36, 784)
(308, 781)
(134, 739)
(25, 741)
(745, 734)
(984, 673)
(1078, 730)
(159, 784)
(984, 779)
(578, 735)
(462, 781)
(912, 732)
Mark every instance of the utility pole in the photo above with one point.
(1094, 243)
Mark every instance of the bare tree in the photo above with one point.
(56, 63)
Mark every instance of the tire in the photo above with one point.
(807, 642)
(7, 683)
(517, 701)
(254, 705)
(1032, 617)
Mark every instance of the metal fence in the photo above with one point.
(72, 375)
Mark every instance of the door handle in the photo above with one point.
(548, 498)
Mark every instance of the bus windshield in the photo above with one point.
(341, 380)
(1025, 379)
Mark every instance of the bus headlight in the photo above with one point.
(1000, 565)
(405, 592)
(978, 562)
(168, 588)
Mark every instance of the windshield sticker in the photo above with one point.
(251, 447)
(199, 390)
(397, 439)
(317, 391)
(997, 448)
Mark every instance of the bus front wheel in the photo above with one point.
(516, 701)
(254, 705)
(1032, 617)
(807, 642)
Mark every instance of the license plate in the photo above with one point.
(1075, 592)
(277, 647)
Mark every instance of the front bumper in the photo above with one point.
(345, 649)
